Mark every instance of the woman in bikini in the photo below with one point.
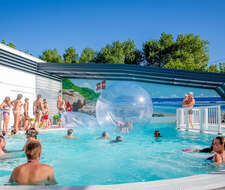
(218, 148)
(17, 109)
(6, 105)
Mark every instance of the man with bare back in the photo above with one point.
(61, 106)
(17, 110)
(37, 111)
(33, 172)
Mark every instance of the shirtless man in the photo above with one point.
(189, 104)
(61, 106)
(33, 172)
(17, 110)
(37, 111)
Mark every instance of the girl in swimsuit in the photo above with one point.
(17, 107)
(6, 105)
(218, 148)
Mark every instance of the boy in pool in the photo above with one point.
(33, 172)
(105, 135)
(70, 134)
(2, 145)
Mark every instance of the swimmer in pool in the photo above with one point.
(70, 134)
(204, 150)
(12, 132)
(118, 139)
(105, 135)
(218, 148)
(157, 134)
(31, 135)
(33, 172)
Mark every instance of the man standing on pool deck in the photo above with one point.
(33, 172)
(37, 110)
(61, 106)
(190, 104)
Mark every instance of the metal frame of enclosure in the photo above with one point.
(196, 79)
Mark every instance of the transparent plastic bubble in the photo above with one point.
(77, 119)
(124, 102)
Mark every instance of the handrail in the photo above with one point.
(202, 119)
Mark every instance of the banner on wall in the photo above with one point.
(101, 85)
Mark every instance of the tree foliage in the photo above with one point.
(87, 56)
(120, 53)
(10, 44)
(52, 56)
(187, 52)
(70, 55)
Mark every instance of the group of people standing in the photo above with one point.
(20, 112)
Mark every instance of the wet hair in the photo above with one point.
(157, 134)
(119, 138)
(104, 134)
(19, 96)
(32, 150)
(69, 131)
(13, 131)
(221, 139)
(31, 133)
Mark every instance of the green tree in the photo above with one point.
(70, 55)
(222, 67)
(10, 44)
(213, 68)
(52, 56)
(187, 52)
(120, 53)
(87, 56)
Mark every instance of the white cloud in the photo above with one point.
(86, 84)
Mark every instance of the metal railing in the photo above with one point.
(203, 119)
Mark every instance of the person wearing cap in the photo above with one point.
(190, 104)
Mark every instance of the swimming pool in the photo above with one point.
(139, 158)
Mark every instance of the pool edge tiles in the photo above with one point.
(210, 181)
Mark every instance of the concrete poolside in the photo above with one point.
(213, 181)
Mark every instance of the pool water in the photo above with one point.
(139, 158)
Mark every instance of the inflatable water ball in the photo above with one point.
(124, 103)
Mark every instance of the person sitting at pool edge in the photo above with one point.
(33, 172)
(157, 134)
(218, 148)
(2, 145)
(105, 135)
(118, 139)
(70, 134)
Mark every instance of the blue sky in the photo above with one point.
(37, 25)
